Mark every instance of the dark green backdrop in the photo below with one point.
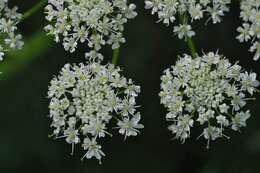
(150, 48)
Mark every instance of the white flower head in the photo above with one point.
(85, 98)
(9, 18)
(250, 29)
(207, 90)
(168, 11)
(94, 22)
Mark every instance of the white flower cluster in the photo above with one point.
(84, 101)
(167, 11)
(208, 90)
(97, 22)
(9, 18)
(250, 29)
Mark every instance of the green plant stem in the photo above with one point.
(34, 9)
(115, 57)
(192, 47)
(190, 43)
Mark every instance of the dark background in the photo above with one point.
(150, 48)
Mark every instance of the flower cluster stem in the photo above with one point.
(192, 47)
(115, 57)
(190, 43)
(34, 9)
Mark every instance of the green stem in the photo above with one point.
(192, 47)
(190, 43)
(34, 9)
(115, 57)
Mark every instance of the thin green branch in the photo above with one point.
(190, 43)
(192, 47)
(115, 57)
(34, 9)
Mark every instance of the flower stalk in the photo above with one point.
(190, 43)
(192, 47)
(115, 57)
(34, 9)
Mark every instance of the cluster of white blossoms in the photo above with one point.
(84, 101)
(167, 11)
(9, 18)
(250, 29)
(96, 22)
(208, 90)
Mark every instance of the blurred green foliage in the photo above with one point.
(36, 45)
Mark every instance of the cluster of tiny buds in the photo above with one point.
(209, 90)
(86, 99)
(167, 11)
(9, 18)
(250, 29)
(95, 22)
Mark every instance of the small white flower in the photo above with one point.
(240, 120)
(222, 120)
(223, 108)
(245, 32)
(209, 90)
(93, 149)
(71, 136)
(255, 48)
(196, 11)
(130, 127)
(183, 31)
(238, 101)
(211, 133)
(249, 82)
(182, 127)
(204, 117)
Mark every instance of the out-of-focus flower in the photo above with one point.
(9, 18)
